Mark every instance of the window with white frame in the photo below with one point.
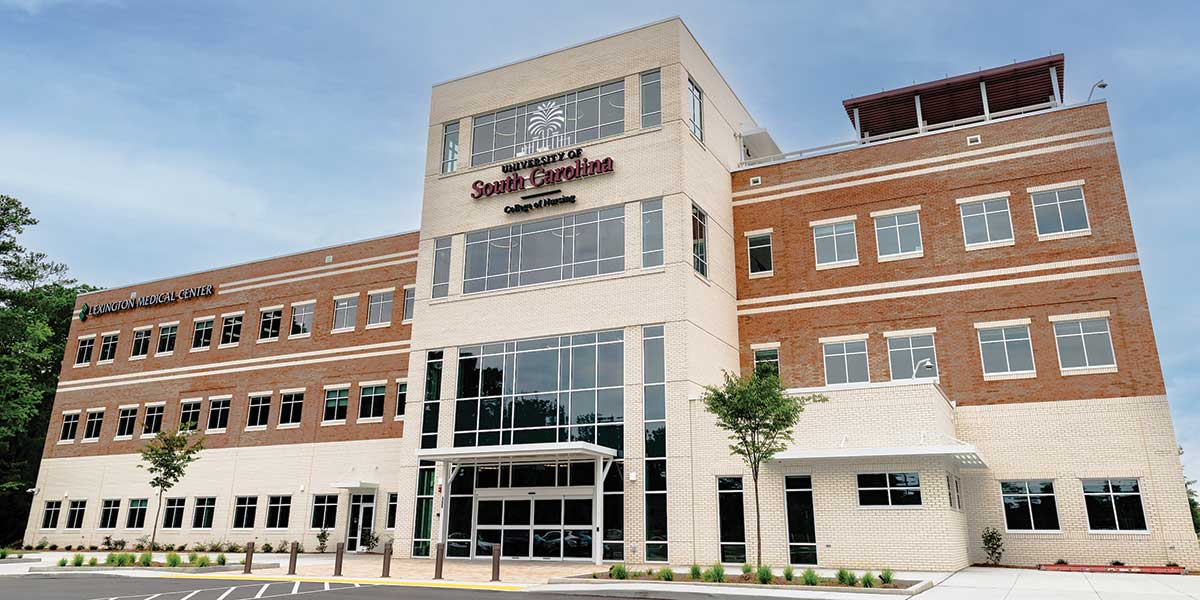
(652, 233)
(1029, 505)
(370, 401)
(141, 344)
(270, 322)
(83, 352)
(302, 319)
(93, 425)
(345, 313)
(986, 221)
(291, 406)
(912, 357)
(279, 511)
(1006, 350)
(379, 308)
(731, 519)
(203, 512)
(1114, 505)
(259, 412)
(898, 235)
(189, 414)
(801, 519)
(1084, 344)
(218, 414)
(889, 489)
(401, 397)
(846, 362)
(442, 250)
(50, 513)
(324, 514)
(954, 491)
(126, 420)
(651, 99)
(336, 403)
(109, 511)
(699, 241)
(835, 244)
(410, 303)
(166, 338)
(135, 517)
(70, 426)
(766, 361)
(244, 511)
(108, 348)
(393, 500)
(231, 330)
(173, 513)
(75, 512)
(152, 424)
(202, 331)
(1060, 211)
(450, 147)
(695, 110)
(758, 250)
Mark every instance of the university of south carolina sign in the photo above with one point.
(200, 291)
(544, 173)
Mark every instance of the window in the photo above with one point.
(912, 357)
(423, 515)
(889, 489)
(379, 308)
(173, 513)
(986, 222)
(695, 110)
(141, 344)
(401, 397)
(431, 404)
(549, 124)
(1060, 211)
(136, 517)
(955, 491)
(259, 412)
(336, 402)
(392, 500)
(166, 338)
(291, 405)
(731, 515)
(70, 426)
(1084, 344)
(50, 514)
(1006, 350)
(83, 354)
(231, 330)
(345, 313)
(836, 244)
(651, 99)
(758, 248)
(279, 511)
(126, 420)
(108, 348)
(75, 511)
(1029, 505)
(801, 520)
(652, 233)
(766, 361)
(846, 362)
(218, 414)
(202, 513)
(91, 428)
(269, 324)
(898, 235)
(654, 417)
(1114, 505)
(202, 334)
(189, 414)
(324, 511)
(370, 401)
(152, 424)
(302, 319)
(450, 147)
(699, 241)
(244, 509)
(410, 299)
(109, 511)
(561, 248)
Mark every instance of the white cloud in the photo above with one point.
(36, 7)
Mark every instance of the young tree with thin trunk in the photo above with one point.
(760, 417)
(166, 458)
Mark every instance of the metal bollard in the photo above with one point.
(292, 559)
(496, 562)
(249, 558)
(440, 548)
(337, 561)
(387, 559)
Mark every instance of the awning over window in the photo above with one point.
(966, 454)
(519, 452)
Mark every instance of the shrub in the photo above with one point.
(851, 579)
(202, 561)
(842, 576)
(1172, 564)
(716, 574)
(235, 548)
(1117, 563)
(810, 577)
(28, 547)
(869, 581)
(122, 559)
(221, 559)
(887, 576)
(214, 547)
(993, 544)
(111, 559)
(764, 575)
(192, 556)
(68, 547)
(617, 571)
(695, 573)
(107, 542)
(145, 559)
(41, 545)
(747, 569)
(62, 562)
(181, 548)
(789, 573)
(3, 553)
(173, 560)
(1060, 562)
(267, 547)
(77, 560)
(666, 574)
(92, 561)
(322, 539)
(93, 548)
(53, 547)
(119, 544)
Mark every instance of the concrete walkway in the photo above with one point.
(982, 583)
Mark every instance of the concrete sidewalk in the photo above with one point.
(982, 583)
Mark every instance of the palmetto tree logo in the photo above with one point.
(83, 312)
(546, 120)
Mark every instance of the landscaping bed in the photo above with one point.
(845, 581)
(195, 563)
(1112, 569)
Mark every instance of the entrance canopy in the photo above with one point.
(522, 452)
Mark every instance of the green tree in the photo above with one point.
(36, 302)
(1194, 503)
(760, 417)
(166, 458)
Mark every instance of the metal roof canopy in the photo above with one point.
(997, 90)
(965, 454)
(519, 452)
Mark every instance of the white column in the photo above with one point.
(920, 116)
(444, 518)
(1054, 84)
(598, 512)
(987, 112)
(857, 126)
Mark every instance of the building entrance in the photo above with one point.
(550, 526)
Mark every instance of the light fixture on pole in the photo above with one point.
(924, 363)
(1095, 86)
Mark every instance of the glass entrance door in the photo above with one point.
(542, 528)
(361, 523)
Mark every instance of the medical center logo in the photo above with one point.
(545, 128)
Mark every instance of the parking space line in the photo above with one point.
(227, 592)
(296, 588)
(189, 595)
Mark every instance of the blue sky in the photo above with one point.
(156, 138)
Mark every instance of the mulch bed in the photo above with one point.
(750, 578)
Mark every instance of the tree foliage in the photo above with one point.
(166, 459)
(760, 417)
(36, 302)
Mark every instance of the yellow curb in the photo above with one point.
(501, 587)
